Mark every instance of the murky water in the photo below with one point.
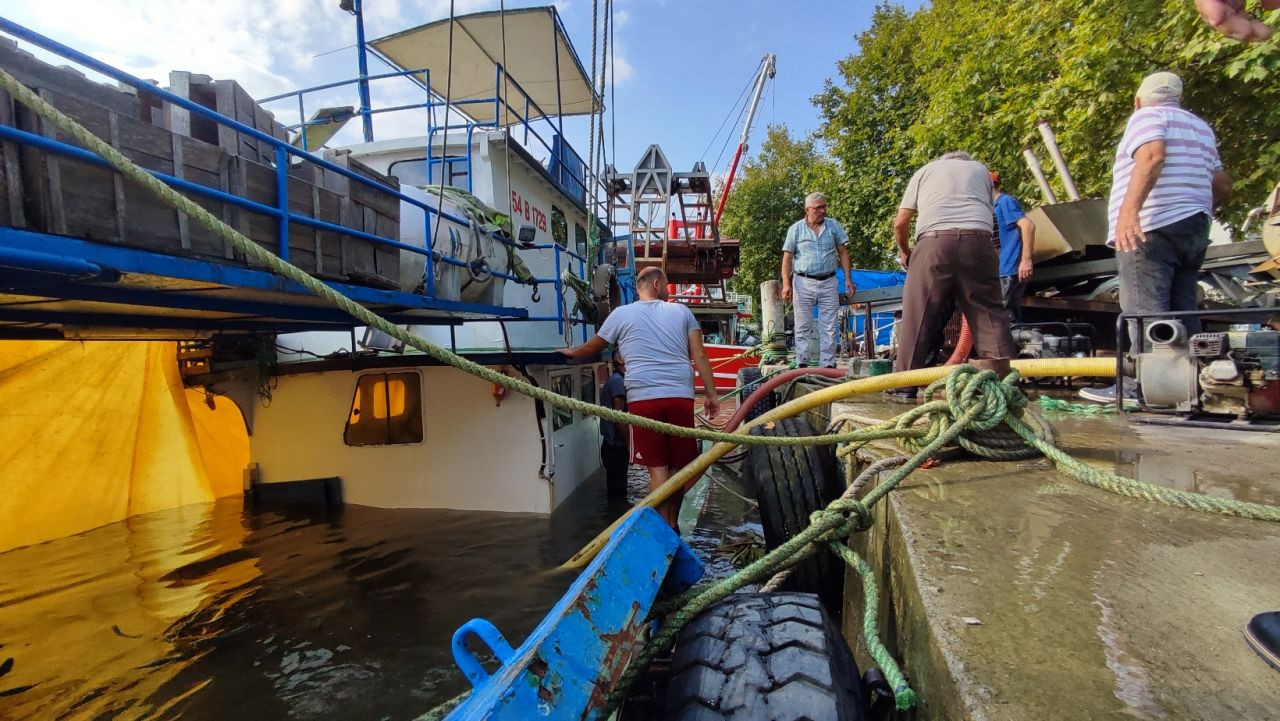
(216, 612)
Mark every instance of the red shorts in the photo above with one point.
(653, 449)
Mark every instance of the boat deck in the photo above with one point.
(1016, 593)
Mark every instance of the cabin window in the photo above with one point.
(414, 172)
(386, 410)
(580, 238)
(562, 384)
(559, 227)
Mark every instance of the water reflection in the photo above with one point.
(208, 610)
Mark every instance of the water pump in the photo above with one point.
(1236, 373)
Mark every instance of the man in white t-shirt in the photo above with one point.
(1166, 181)
(658, 339)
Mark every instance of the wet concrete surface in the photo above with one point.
(215, 611)
(1016, 593)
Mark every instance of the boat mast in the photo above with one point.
(354, 7)
(766, 72)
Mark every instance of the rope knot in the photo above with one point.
(853, 514)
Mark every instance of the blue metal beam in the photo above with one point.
(132, 260)
(47, 263)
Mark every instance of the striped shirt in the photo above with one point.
(1184, 186)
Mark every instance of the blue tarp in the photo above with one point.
(866, 280)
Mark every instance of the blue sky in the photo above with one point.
(681, 64)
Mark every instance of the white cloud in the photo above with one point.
(623, 70)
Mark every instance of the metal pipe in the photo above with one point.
(1051, 142)
(363, 62)
(339, 83)
(282, 202)
(1033, 164)
(47, 263)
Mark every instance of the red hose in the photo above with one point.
(773, 382)
(964, 344)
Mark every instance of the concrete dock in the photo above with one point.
(1017, 593)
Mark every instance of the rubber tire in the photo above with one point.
(791, 483)
(764, 656)
(749, 381)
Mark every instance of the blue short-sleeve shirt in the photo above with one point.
(1008, 213)
(814, 254)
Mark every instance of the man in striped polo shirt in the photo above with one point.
(1166, 181)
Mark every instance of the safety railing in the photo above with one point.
(299, 96)
(284, 153)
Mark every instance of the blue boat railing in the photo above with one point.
(284, 153)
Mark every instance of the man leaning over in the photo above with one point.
(952, 263)
(658, 339)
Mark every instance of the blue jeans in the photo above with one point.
(1162, 273)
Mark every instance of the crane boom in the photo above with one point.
(768, 68)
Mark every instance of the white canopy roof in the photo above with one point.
(536, 48)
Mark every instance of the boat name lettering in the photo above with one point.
(521, 207)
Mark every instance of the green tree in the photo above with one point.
(768, 198)
(865, 126)
(978, 74)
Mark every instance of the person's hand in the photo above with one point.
(1231, 19)
(566, 352)
(1024, 270)
(710, 406)
(1128, 232)
(904, 257)
(786, 294)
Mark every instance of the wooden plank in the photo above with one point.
(57, 220)
(37, 74)
(117, 182)
(175, 144)
(178, 119)
(11, 210)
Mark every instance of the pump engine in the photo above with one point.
(1234, 373)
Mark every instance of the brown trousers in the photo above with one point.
(950, 269)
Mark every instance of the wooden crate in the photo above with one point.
(319, 252)
(67, 196)
(229, 99)
(362, 208)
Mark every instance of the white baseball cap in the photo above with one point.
(1162, 87)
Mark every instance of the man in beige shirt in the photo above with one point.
(952, 263)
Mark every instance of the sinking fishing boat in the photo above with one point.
(462, 235)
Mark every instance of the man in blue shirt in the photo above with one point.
(615, 448)
(809, 254)
(1017, 243)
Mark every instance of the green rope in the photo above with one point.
(903, 696)
(1056, 405)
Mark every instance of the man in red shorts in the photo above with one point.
(658, 339)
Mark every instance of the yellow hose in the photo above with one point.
(1031, 368)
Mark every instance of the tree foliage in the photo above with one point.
(978, 75)
(764, 201)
